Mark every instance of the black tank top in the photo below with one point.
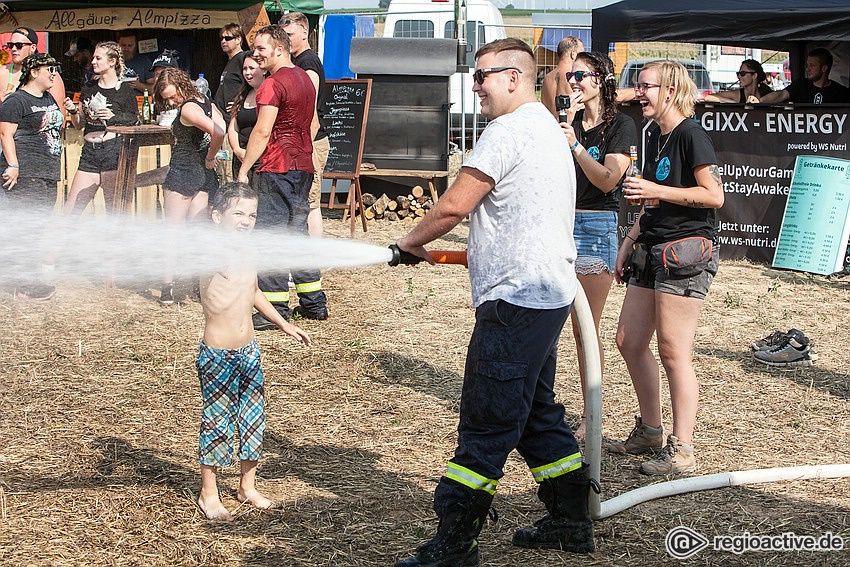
(191, 141)
(246, 119)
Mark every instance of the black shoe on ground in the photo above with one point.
(319, 314)
(166, 294)
(261, 323)
(567, 525)
(35, 292)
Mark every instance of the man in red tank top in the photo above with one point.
(281, 141)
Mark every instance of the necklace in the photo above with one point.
(669, 136)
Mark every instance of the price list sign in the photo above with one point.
(816, 224)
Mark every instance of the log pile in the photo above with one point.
(412, 206)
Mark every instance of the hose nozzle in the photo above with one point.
(440, 256)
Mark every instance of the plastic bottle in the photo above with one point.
(203, 85)
(146, 108)
(633, 171)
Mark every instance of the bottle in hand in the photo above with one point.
(633, 171)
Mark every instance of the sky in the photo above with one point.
(529, 4)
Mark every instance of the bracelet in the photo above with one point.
(11, 166)
(574, 146)
(629, 236)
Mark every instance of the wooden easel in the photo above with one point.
(348, 110)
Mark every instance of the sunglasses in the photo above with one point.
(16, 44)
(579, 75)
(287, 22)
(53, 68)
(742, 73)
(481, 74)
(229, 37)
(643, 87)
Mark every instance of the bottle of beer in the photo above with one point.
(146, 108)
(633, 171)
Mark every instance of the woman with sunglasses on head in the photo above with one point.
(22, 43)
(243, 114)
(198, 133)
(106, 101)
(600, 137)
(671, 257)
(751, 77)
(31, 136)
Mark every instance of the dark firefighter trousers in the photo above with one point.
(283, 204)
(508, 402)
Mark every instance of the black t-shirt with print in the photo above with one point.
(687, 148)
(309, 61)
(599, 142)
(122, 102)
(231, 81)
(803, 91)
(38, 139)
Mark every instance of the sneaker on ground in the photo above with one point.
(35, 292)
(773, 339)
(166, 294)
(675, 458)
(792, 352)
(319, 314)
(642, 439)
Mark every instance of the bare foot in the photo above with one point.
(581, 432)
(213, 509)
(256, 499)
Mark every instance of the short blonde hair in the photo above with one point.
(673, 74)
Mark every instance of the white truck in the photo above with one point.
(436, 19)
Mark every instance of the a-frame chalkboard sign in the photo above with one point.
(347, 103)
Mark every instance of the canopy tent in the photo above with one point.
(794, 26)
(772, 24)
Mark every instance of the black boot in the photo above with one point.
(456, 543)
(567, 526)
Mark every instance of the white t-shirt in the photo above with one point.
(521, 247)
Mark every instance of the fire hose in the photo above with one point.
(593, 442)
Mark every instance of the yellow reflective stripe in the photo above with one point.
(276, 296)
(308, 287)
(470, 478)
(557, 468)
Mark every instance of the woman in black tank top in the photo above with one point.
(198, 132)
(243, 114)
(751, 77)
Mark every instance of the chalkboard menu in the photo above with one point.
(345, 123)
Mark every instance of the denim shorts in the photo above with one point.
(695, 286)
(595, 234)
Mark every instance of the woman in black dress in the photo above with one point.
(198, 133)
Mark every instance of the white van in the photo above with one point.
(430, 19)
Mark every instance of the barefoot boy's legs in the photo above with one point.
(209, 501)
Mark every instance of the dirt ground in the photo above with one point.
(98, 428)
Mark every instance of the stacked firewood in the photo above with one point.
(412, 206)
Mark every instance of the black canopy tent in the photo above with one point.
(789, 25)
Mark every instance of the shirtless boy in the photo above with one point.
(229, 362)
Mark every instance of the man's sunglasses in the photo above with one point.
(285, 23)
(16, 44)
(481, 74)
(229, 37)
(579, 75)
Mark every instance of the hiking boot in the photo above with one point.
(642, 439)
(567, 525)
(319, 314)
(794, 351)
(35, 292)
(675, 458)
(456, 543)
(261, 323)
(166, 294)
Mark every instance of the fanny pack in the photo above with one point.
(685, 257)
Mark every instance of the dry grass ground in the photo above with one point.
(98, 427)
